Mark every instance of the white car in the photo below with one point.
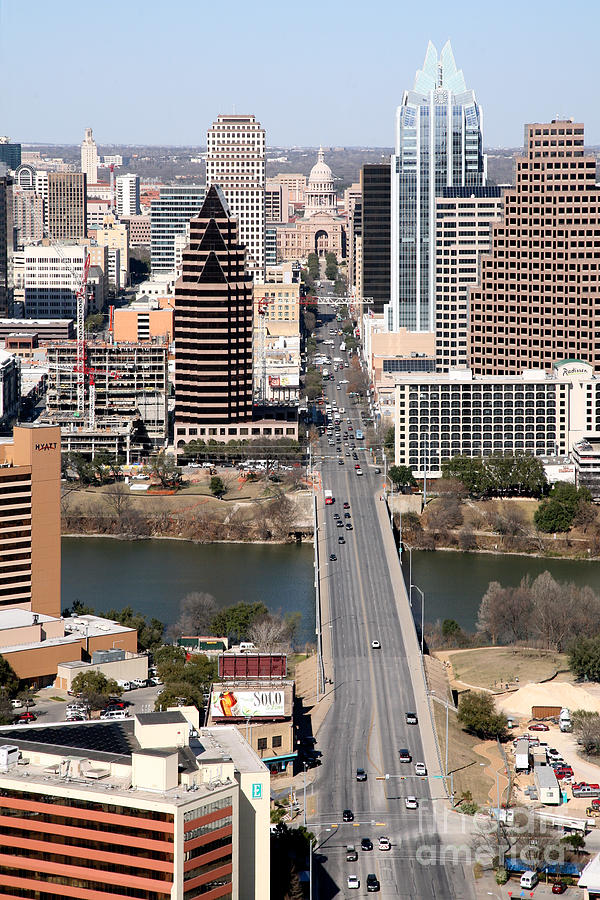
(353, 882)
(384, 843)
(420, 769)
(16, 704)
(411, 803)
(139, 683)
(375, 645)
(359, 471)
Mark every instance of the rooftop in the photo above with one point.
(94, 626)
(21, 618)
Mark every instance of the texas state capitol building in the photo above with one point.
(321, 230)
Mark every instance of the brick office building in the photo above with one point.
(539, 291)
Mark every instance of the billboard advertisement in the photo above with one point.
(233, 704)
(252, 665)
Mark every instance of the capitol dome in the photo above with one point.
(320, 172)
(320, 193)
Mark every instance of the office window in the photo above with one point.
(262, 744)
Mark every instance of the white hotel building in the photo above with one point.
(543, 413)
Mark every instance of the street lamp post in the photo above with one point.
(305, 768)
(422, 613)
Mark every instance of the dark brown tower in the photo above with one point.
(539, 294)
(213, 328)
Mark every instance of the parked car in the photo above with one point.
(139, 683)
(563, 772)
(558, 887)
(16, 703)
(25, 718)
(539, 726)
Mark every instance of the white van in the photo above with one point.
(246, 646)
(529, 879)
(114, 714)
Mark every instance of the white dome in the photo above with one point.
(320, 171)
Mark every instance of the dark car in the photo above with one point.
(332, 557)
(558, 887)
(347, 515)
(341, 540)
(348, 815)
(404, 755)
(372, 883)
(349, 526)
(539, 726)
(366, 844)
(361, 775)
(346, 505)
(339, 523)
(411, 718)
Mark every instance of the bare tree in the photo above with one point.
(118, 499)
(196, 612)
(271, 634)
(490, 618)
(282, 515)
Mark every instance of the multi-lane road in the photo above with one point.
(366, 725)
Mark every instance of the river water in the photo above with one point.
(152, 576)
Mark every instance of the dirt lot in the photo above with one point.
(494, 667)
(463, 761)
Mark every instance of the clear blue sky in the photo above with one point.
(330, 71)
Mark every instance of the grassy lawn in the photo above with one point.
(462, 760)
(490, 666)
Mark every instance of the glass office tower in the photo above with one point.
(438, 145)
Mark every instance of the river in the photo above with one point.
(152, 576)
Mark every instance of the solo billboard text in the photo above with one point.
(240, 704)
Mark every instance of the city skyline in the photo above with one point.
(363, 115)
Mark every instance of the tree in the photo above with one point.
(477, 713)
(82, 467)
(9, 680)
(313, 266)
(584, 657)
(217, 487)
(445, 512)
(402, 476)
(118, 499)
(490, 620)
(95, 688)
(389, 440)
(196, 612)
(234, 621)
(150, 632)
(470, 471)
(282, 514)
(558, 512)
(272, 633)
(331, 266)
(586, 725)
(164, 467)
(94, 322)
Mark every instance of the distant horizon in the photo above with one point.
(328, 148)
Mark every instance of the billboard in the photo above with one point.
(234, 704)
(252, 665)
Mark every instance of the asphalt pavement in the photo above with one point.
(373, 691)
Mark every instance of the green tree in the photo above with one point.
(402, 476)
(313, 265)
(94, 322)
(584, 657)
(234, 621)
(331, 267)
(217, 487)
(477, 714)
(83, 468)
(150, 632)
(451, 628)
(470, 471)
(389, 439)
(9, 680)
(558, 512)
(95, 688)
(164, 467)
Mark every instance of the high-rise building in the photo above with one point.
(170, 215)
(67, 206)
(6, 243)
(539, 294)
(151, 806)
(236, 161)
(10, 153)
(51, 278)
(89, 157)
(213, 326)
(28, 209)
(375, 231)
(30, 520)
(464, 218)
(128, 195)
(438, 145)
(115, 235)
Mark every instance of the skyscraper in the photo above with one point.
(10, 154)
(89, 157)
(6, 242)
(67, 206)
(236, 161)
(170, 214)
(375, 229)
(128, 195)
(539, 294)
(213, 328)
(438, 145)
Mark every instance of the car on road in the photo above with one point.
(372, 883)
(361, 775)
(346, 505)
(404, 755)
(341, 540)
(340, 462)
(17, 704)
(353, 882)
(411, 802)
(366, 844)
(347, 515)
(339, 523)
(411, 718)
(384, 843)
(349, 526)
(539, 726)
(359, 471)
(332, 557)
(351, 854)
(348, 815)
(375, 645)
(357, 466)
(420, 769)
(25, 718)
(377, 470)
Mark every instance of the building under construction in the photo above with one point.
(126, 396)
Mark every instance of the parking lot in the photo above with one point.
(51, 703)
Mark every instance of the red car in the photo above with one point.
(558, 887)
(563, 772)
(25, 718)
(539, 726)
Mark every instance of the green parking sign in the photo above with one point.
(257, 791)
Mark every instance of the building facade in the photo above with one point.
(375, 181)
(6, 244)
(115, 236)
(10, 153)
(89, 157)
(295, 184)
(128, 195)
(170, 214)
(539, 292)
(30, 520)
(28, 212)
(542, 413)
(10, 388)
(236, 161)
(139, 230)
(52, 276)
(438, 145)
(276, 203)
(67, 206)
(464, 218)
